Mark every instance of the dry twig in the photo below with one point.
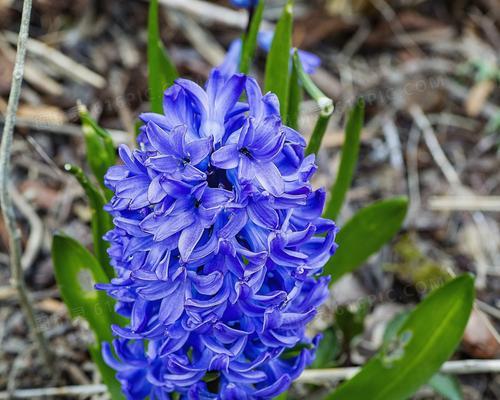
(66, 65)
(413, 175)
(118, 136)
(70, 391)
(321, 376)
(202, 40)
(465, 203)
(32, 74)
(5, 194)
(432, 143)
(462, 367)
(205, 11)
(35, 240)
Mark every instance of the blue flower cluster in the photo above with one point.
(245, 3)
(217, 246)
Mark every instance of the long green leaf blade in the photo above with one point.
(317, 134)
(101, 152)
(278, 61)
(71, 261)
(425, 341)
(101, 221)
(161, 69)
(108, 374)
(447, 386)
(294, 100)
(168, 71)
(364, 234)
(250, 39)
(349, 159)
(154, 76)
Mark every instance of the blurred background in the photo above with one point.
(429, 72)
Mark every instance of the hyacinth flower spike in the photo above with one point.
(218, 245)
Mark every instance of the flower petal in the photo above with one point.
(228, 95)
(270, 178)
(158, 138)
(227, 157)
(262, 214)
(189, 238)
(199, 149)
(246, 170)
(163, 163)
(214, 198)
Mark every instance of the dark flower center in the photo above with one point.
(246, 152)
(217, 179)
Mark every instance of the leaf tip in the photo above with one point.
(467, 279)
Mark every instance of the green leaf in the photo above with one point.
(168, 72)
(71, 262)
(278, 61)
(328, 349)
(394, 326)
(348, 161)
(447, 386)
(282, 396)
(364, 234)
(325, 105)
(250, 39)
(423, 343)
(108, 374)
(294, 100)
(351, 322)
(137, 128)
(161, 70)
(295, 351)
(101, 221)
(317, 134)
(101, 152)
(154, 66)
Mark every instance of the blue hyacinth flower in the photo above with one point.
(310, 62)
(218, 247)
(244, 3)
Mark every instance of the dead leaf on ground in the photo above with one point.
(479, 341)
(42, 114)
(51, 306)
(41, 195)
(478, 95)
